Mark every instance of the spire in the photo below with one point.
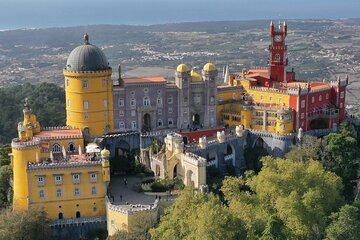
(226, 74)
(86, 39)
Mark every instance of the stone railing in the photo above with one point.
(29, 144)
(194, 159)
(56, 128)
(62, 137)
(271, 134)
(120, 134)
(76, 221)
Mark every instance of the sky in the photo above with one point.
(58, 13)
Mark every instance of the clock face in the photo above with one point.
(278, 38)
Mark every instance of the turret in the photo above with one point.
(220, 136)
(203, 142)
(271, 31)
(284, 29)
(105, 155)
(120, 79)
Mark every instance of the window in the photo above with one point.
(85, 83)
(93, 190)
(342, 94)
(170, 110)
(76, 192)
(159, 101)
(121, 113)
(197, 100)
(170, 100)
(212, 99)
(87, 130)
(68, 82)
(93, 177)
(170, 122)
(302, 103)
(71, 147)
(133, 124)
(159, 111)
(160, 122)
(262, 98)
(133, 102)
(302, 115)
(105, 103)
(159, 92)
(41, 181)
(302, 124)
(86, 116)
(58, 180)
(69, 103)
(121, 102)
(121, 125)
(42, 194)
(312, 99)
(86, 104)
(234, 95)
(341, 105)
(76, 178)
(133, 113)
(282, 126)
(320, 98)
(271, 99)
(146, 90)
(146, 101)
(56, 148)
(327, 96)
(104, 82)
(58, 193)
(277, 57)
(106, 114)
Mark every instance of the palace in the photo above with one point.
(202, 123)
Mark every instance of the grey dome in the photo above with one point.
(87, 57)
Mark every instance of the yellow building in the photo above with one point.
(88, 89)
(241, 102)
(50, 170)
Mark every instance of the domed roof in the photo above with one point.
(209, 67)
(87, 57)
(105, 153)
(195, 77)
(182, 68)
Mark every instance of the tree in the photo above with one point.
(198, 216)
(345, 224)
(5, 173)
(26, 225)
(287, 197)
(340, 156)
(5, 149)
(310, 148)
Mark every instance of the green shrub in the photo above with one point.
(158, 187)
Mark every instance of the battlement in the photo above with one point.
(272, 135)
(265, 89)
(130, 209)
(61, 165)
(340, 82)
(194, 159)
(29, 144)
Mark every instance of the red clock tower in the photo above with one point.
(277, 49)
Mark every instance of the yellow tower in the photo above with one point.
(25, 148)
(88, 89)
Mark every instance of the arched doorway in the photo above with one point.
(61, 215)
(259, 143)
(146, 122)
(196, 119)
(175, 171)
(78, 214)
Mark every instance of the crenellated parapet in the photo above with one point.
(131, 209)
(272, 135)
(194, 159)
(29, 144)
(61, 165)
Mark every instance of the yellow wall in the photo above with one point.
(86, 200)
(19, 160)
(98, 115)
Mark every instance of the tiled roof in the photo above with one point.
(154, 79)
(59, 133)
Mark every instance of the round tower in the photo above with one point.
(88, 90)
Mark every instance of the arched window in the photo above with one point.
(56, 148)
(107, 128)
(61, 215)
(277, 57)
(71, 147)
(87, 130)
(146, 101)
(86, 104)
(78, 214)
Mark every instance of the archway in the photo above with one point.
(71, 147)
(147, 122)
(211, 158)
(196, 119)
(318, 123)
(260, 143)
(175, 171)
(190, 178)
(78, 215)
(61, 215)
